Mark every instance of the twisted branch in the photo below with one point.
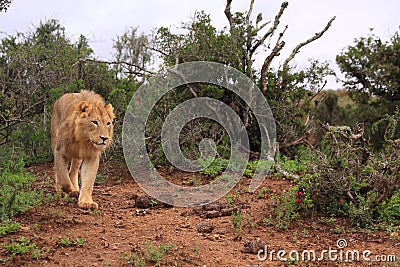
(141, 71)
(228, 13)
(312, 39)
(267, 62)
(272, 29)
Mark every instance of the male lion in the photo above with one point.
(81, 129)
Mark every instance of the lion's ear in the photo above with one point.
(85, 107)
(110, 110)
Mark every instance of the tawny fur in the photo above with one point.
(81, 129)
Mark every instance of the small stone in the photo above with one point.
(142, 202)
(221, 231)
(216, 236)
(253, 247)
(212, 214)
(24, 229)
(119, 225)
(184, 225)
(205, 227)
(142, 212)
(77, 221)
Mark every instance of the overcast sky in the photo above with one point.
(101, 21)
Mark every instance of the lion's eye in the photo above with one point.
(108, 124)
(95, 123)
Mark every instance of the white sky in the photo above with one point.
(101, 21)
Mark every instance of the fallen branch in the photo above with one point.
(286, 174)
(345, 131)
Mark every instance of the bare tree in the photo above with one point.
(4, 5)
(256, 37)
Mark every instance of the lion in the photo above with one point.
(81, 129)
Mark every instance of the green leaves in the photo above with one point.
(16, 194)
(202, 42)
(373, 66)
(35, 69)
(372, 70)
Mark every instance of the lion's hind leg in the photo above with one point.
(62, 176)
(74, 176)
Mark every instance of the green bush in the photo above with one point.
(9, 228)
(17, 194)
(350, 180)
(237, 222)
(213, 167)
(23, 246)
(390, 209)
(284, 210)
(11, 162)
(292, 165)
(155, 254)
(262, 165)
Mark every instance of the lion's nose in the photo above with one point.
(103, 138)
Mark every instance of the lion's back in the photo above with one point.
(60, 114)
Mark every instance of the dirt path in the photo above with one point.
(120, 234)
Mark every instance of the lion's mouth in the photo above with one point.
(99, 144)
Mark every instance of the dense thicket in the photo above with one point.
(372, 70)
(39, 66)
(334, 130)
(36, 68)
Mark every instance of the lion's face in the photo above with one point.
(95, 124)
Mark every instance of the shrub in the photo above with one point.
(17, 194)
(349, 180)
(9, 228)
(292, 165)
(213, 167)
(390, 209)
(285, 210)
(21, 247)
(237, 222)
(155, 254)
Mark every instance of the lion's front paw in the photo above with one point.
(88, 205)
